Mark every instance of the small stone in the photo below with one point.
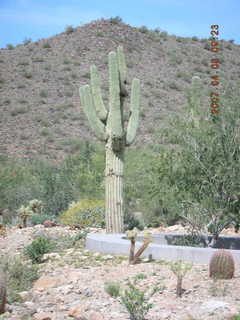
(52, 255)
(213, 305)
(96, 254)
(24, 295)
(87, 292)
(45, 283)
(29, 305)
(77, 312)
(42, 316)
(107, 257)
(96, 316)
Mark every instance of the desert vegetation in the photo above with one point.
(184, 168)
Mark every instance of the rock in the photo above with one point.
(87, 292)
(24, 295)
(43, 316)
(49, 224)
(77, 312)
(51, 255)
(30, 305)
(107, 257)
(213, 305)
(96, 316)
(45, 282)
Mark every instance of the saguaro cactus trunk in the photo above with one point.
(108, 126)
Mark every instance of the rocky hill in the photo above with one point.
(41, 115)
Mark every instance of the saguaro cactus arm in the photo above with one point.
(88, 106)
(134, 112)
(96, 93)
(122, 71)
(114, 123)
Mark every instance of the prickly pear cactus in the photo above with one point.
(222, 265)
(3, 291)
(108, 126)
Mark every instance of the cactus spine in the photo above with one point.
(222, 265)
(108, 126)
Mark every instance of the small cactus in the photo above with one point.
(180, 268)
(131, 235)
(3, 291)
(34, 206)
(222, 265)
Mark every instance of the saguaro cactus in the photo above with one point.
(108, 126)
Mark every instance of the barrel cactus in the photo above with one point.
(222, 265)
(108, 126)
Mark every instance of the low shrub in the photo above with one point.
(20, 276)
(136, 302)
(39, 218)
(85, 213)
(116, 20)
(69, 29)
(112, 288)
(38, 248)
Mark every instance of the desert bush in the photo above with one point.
(46, 45)
(69, 29)
(39, 218)
(195, 38)
(164, 35)
(20, 276)
(43, 93)
(27, 41)
(19, 110)
(143, 29)
(136, 303)
(27, 75)
(38, 248)
(204, 168)
(84, 213)
(116, 20)
(112, 288)
(10, 46)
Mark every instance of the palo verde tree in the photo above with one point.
(108, 126)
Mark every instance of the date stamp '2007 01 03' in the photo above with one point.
(215, 64)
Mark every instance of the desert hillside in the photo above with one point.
(41, 114)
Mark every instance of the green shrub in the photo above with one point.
(20, 276)
(43, 93)
(46, 45)
(10, 46)
(130, 222)
(140, 276)
(164, 35)
(38, 248)
(112, 288)
(99, 34)
(27, 75)
(84, 213)
(19, 110)
(40, 218)
(195, 38)
(69, 29)
(143, 29)
(37, 59)
(116, 20)
(135, 302)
